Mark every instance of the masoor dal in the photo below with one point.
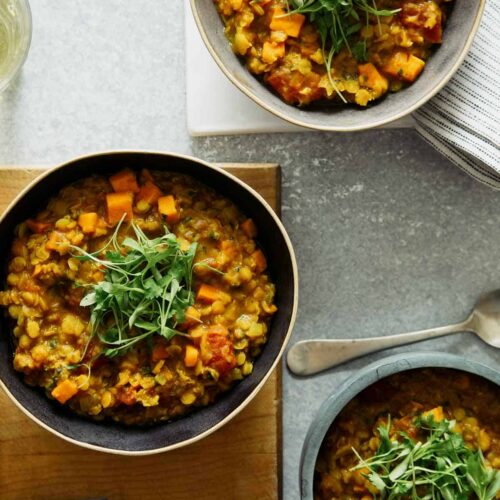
(471, 401)
(156, 380)
(289, 58)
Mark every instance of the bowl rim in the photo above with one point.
(256, 390)
(367, 376)
(335, 128)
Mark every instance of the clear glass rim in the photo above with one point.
(27, 26)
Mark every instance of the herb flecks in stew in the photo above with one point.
(349, 51)
(420, 434)
(137, 297)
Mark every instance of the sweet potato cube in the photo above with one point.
(124, 181)
(208, 294)
(371, 78)
(166, 207)
(119, 204)
(404, 66)
(146, 176)
(291, 24)
(149, 192)
(88, 222)
(436, 413)
(65, 390)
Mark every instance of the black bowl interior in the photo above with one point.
(136, 438)
(438, 67)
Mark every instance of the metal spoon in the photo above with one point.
(312, 356)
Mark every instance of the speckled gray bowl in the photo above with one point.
(460, 30)
(369, 375)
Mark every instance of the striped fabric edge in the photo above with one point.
(463, 120)
(473, 167)
(460, 136)
(457, 104)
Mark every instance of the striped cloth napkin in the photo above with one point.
(463, 120)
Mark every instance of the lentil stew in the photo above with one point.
(469, 404)
(213, 339)
(291, 52)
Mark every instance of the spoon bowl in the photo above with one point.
(485, 318)
(312, 356)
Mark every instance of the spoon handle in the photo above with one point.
(312, 356)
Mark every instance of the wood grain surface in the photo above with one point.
(240, 461)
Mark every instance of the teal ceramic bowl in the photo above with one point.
(364, 378)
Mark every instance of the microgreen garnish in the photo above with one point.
(337, 21)
(440, 468)
(146, 289)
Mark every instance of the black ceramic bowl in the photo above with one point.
(457, 38)
(117, 438)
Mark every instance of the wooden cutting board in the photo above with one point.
(240, 461)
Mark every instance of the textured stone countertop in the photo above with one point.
(389, 235)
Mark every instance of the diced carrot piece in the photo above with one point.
(65, 390)
(191, 356)
(260, 261)
(124, 181)
(404, 66)
(437, 413)
(159, 352)
(249, 228)
(37, 226)
(371, 78)
(413, 69)
(57, 242)
(291, 24)
(149, 192)
(88, 222)
(207, 294)
(192, 317)
(119, 204)
(166, 207)
(146, 176)
(272, 51)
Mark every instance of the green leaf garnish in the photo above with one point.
(337, 22)
(441, 468)
(146, 289)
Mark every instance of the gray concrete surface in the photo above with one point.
(389, 235)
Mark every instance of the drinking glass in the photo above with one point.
(15, 38)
